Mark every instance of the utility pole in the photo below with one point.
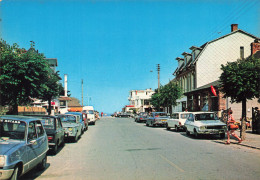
(82, 92)
(158, 69)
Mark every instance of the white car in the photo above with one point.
(204, 123)
(177, 120)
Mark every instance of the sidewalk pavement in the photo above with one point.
(251, 141)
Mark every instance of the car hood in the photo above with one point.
(68, 124)
(210, 123)
(9, 145)
(160, 118)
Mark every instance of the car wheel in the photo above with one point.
(222, 135)
(55, 149)
(176, 128)
(94, 123)
(43, 164)
(76, 138)
(63, 142)
(187, 132)
(15, 174)
(167, 127)
(146, 124)
(195, 133)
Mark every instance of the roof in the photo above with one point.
(19, 118)
(214, 83)
(64, 98)
(207, 43)
(74, 102)
(75, 113)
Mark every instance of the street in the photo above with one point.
(119, 148)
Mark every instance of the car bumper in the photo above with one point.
(6, 174)
(160, 122)
(68, 135)
(211, 131)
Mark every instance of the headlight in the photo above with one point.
(202, 128)
(224, 127)
(2, 160)
(70, 129)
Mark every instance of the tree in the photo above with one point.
(52, 89)
(167, 96)
(22, 74)
(240, 81)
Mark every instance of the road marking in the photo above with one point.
(171, 163)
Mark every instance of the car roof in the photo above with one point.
(202, 112)
(75, 113)
(19, 118)
(160, 112)
(186, 112)
(46, 116)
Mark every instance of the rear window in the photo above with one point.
(175, 116)
(160, 114)
(206, 117)
(48, 123)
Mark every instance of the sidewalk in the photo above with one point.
(252, 140)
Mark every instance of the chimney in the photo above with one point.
(255, 46)
(234, 27)
(65, 85)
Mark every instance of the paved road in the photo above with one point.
(120, 149)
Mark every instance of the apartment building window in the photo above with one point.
(241, 52)
(146, 102)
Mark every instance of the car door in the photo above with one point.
(41, 141)
(32, 146)
(190, 123)
(59, 131)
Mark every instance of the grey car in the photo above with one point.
(24, 145)
(157, 119)
(72, 126)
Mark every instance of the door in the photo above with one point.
(32, 146)
(59, 131)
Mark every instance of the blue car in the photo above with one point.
(24, 145)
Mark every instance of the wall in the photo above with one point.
(220, 52)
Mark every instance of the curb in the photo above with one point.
(241, 144)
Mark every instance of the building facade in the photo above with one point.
(199, 70)
(140, 100)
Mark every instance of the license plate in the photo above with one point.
(163, 120)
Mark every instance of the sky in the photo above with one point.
(115, 45)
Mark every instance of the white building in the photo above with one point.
(140, 99)
(203, 65)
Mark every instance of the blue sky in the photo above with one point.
(113, 45)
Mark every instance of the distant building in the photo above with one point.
(53, 62)
(140, 100)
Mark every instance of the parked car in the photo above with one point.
(204, 123)
(23, 145)
(80, 118)
(89, 110)
(157, 119)
(141, 117)
(177, 120)
(71, 125)
(124, 114)
(54, 130)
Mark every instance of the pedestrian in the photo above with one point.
(231, 129)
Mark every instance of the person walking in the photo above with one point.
(230, 123)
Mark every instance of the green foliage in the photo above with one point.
(23, 74)
(241, 79)
(167, 96)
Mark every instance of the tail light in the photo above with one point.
(50, 138)
(141, 118)
(180, 123)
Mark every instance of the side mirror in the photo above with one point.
(32, 142)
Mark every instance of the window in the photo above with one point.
(62, 103)
(39, 128)
(31, 131)
(146, 102)
(241, 52)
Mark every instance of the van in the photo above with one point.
(89, 110)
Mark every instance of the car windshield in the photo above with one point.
(206, 117)
(160, 114)
(143, 114)
(175, 116)
(48, 123)
(12, 129)
(68, 119)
